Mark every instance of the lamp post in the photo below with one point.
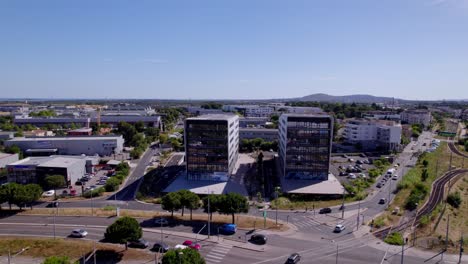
(277, 192)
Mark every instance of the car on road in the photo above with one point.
(325, 210)
(379, 185)
(48, 193)
(140, 243)
(294, 258)
(102, 182)
(395, 177)
(382, 201)
(228, 229)
(179, 246)
(160, 247)
(187, 243)
(258, 239)
(191, 244)
(339, 228)
(161, 221)
(53, 204)
(79, 233)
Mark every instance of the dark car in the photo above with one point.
(258, 239)
(325, 210)
(379, 185)
(84, 179)
(294, 258)
(140, 243)
(160, 247)
(53, 204)
(79, 182)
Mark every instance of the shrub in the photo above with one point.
(394, 238)
(379, 222)
(94, 193)
(424, 220)
(454, 199)
(112, 184)
(57, 260)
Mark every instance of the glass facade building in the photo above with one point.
(211, 146)
(305, 146)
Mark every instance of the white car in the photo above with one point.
(79, 233)
(179, 246)
(48, 193)
(352, 176)
(339, 228)
(395, 177)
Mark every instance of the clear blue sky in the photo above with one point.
(414, 49)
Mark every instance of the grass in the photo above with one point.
(242, 221)
(284, 203)
(435, 229)
(74, 249)
(438, 165)
(394, 238)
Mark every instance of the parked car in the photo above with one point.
(49, 193)
(339, 228)
(258, 239)
(79, 233)
(351, 160)
(161, 221)
(160, 247)
(102, 182)
(103, 178)
(379, 185)
(140, 243)
(84, 179)
(342, 173)
(352, 176)
(228, 229)
(178, 246)
(187, 243)
(395, 177)
(79, 182)
(294, 258)
(195, 246)
(359, 162)
(325, 210)
(382, 201)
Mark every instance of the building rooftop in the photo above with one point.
(259, 129)
(63, 138)
(330, 187)
(52, 161)
(83, 129)
(306, 115)
(4, 155)
(214, 117)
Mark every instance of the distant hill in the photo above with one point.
(355, 98)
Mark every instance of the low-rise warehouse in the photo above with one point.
(87, 145)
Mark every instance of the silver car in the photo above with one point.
(79, 233)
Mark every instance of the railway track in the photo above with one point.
(436, 196)
(455, 150)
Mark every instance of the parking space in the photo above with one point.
(350, 167)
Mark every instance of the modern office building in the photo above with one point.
(211, 146)
(373, 134)
(35, 169)
(266, 134)
(85, 121)
(411, 117)
(75, 145)
(305, 142)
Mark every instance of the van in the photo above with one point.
(228, 229)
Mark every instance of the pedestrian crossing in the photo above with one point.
(217, 254)
(323, 226)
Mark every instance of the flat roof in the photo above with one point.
(83, 129)
(258, 129)
(64, 138)
(205, 187)
(214, 117)
(330, 186)
(42, 150)
(57, 162)
(4, 155)
(306, 115)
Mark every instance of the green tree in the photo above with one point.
(424, 175)
(466, 145)
(189, 200)
(140, 126)
(171, 202)
(54, 182)
(214, 202)
(112, 184)
(123, 230)
(34, 192)
(233, 203)
(14, 149)
(127, 131)
(425, 163)
(57, 260)
(136, 153)
(8, 193)
(454, 199)
(184, 256)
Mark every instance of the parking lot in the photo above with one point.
(346, 168)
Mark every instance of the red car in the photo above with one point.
(192, 245)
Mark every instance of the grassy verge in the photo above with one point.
(432, 232)
(284, 203)
(74, 249)
(242, 221)
(413, 189)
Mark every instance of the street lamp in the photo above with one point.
(178, 254)
(277, 192)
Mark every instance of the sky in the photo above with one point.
(242, 49)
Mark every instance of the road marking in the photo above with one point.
(217, 253)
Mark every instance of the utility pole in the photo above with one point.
(461, 249)
(358, 215)
(54, 226)
(209, 216)
(342, 204)
(446, 237)
(95, 252)
(450, 166)
(390, 192)
(403, 251)
(336, 253)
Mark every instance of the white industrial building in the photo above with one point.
(75, 145)
(373, 134)
(211, 146)
(420, 116)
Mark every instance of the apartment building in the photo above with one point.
(305, 142)
(211, 146)
(373, 134)
(412, 117)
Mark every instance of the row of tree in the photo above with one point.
(137, 136)
(229, 204)
(19, 195)
(250, 145)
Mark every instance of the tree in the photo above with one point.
(425, 163)
(14, 149)
(189, 200)
(233, 203)
(57, 260)
(184, 256)
(466, 145)
(424, 175)
(454, 199)
(214, 202)
(127, 131)
(33, 193)
(171, 202)
(54, 182)
(123, 230)
(112, 184)
(8, 193)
